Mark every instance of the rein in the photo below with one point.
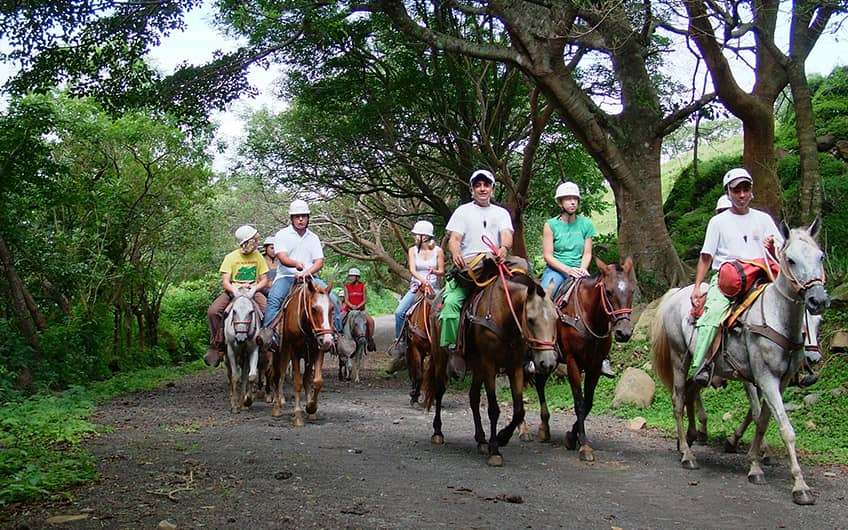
(613, 315)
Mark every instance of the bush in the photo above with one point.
(184, 332)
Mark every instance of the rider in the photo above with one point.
(722, 204)
(567, 246)
(300, 253)
(468, 225)
(268, 252)
(243, 267)
(355, 299)
(426, 263)
(741, 232)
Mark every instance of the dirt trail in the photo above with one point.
(367, 462)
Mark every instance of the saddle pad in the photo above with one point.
(737, 311)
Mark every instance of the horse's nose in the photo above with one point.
(622, 335)
(546, 362)
(817, 300)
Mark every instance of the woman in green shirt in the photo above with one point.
(567, 246)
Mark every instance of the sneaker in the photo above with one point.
(213, 356)
(807, 379)
(606, 369)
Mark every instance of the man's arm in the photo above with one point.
(506, 243)
(228, 286)
(454, 245)
(283, 257)
(700, 273)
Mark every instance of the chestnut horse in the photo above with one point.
(598, 309)
(499, 333)
(306, 332)
(418, 334)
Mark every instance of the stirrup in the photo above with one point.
(703, 376)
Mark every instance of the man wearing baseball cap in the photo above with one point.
(467, 226)
(739, 232)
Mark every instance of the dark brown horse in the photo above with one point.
(499, 333)
(419, 335)
(306, 332)
(598, 309)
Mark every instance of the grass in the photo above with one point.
(605, 223)
(41, 437)
(825, 440)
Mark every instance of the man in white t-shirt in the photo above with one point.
(740, 232)
(300, 254)
(467, 226)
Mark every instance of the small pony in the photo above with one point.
(240, 329)
(355, 330)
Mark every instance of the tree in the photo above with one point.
(548, 42)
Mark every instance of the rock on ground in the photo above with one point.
(634, 388)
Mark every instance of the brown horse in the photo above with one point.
(418, 333)
(500, 331)
(306, 332)
(598, 309)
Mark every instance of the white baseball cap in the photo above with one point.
(482, 173)
(736, 175)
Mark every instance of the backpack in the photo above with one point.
(736, 278)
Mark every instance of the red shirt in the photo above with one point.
(354, 293)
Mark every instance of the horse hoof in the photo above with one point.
(730, 447)
(586, 454)
(689, 464)
(276, 412)
(298, 421)
(544, 435)
(312, 417)
(483, 448)
(252, 379)
(701, 438)
(759, 479)
(803, 497)
(495, 461)
(437, 439)
(570, 441)
(526, 437)
(235, 410)
(247, 401)
(269, 399)
(766, 460)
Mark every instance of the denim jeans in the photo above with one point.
(549, 276)
(279, 292)
(400, 313)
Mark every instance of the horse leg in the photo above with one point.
(246, 395)
(495, 458)
(516, 385)
(281, 361)
(801, 493)
(235, 376)
(731, 445)
(702, 419)
(474, 401)
(297, 377)
(586, 452)
(357, 366)
(575, 380)
(691, 429)
(416, 371)
(678, 397)
(540, 381)
(317, 378)
(439, 370)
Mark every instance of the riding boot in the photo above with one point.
(606, 369)
(213, 355)
(398, 356)
(805, 377)
(703, 374)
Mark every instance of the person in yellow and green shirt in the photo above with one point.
(243, 267)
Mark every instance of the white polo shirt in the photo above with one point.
(305, 249)
(473, 222)
(731, 236)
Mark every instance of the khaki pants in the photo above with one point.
(215, 316)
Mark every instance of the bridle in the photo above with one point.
(798, 288)
(305, 303)
(613, 315)
(250, 322)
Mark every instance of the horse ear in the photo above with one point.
(784, 230)
(600, 264)
(814, 227)
(628, 264)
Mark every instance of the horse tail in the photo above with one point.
(428, 383)
(660, 346)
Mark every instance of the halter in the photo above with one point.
(504, 272)
(250, 323)
(613, 315)
(797, 287)
(304, 303)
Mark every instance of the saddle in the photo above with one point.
(421, 298)
(563, 293)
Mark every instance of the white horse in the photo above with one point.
(240, 329)
(356, 330)
(765, 349)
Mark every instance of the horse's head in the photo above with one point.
(243, 318)
(802, 264)
(617, 284)
(541, 333)
(358, 327)
(320, 312)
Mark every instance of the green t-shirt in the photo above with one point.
(243, 268)
(569, 239)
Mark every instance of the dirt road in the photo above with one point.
(178, 454)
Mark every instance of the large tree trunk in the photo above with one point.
(758, 157)
(35, 313)
(519, 244)
(805, 128)
(18, 299)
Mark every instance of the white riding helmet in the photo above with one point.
(244, 233)
(482, 173)
(567, 189)
(423, 228)
(737, 173)
(723, 203)
(354, 272)
(298, 207)
(268, 241)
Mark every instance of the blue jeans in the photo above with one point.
(279, 292)
(549, 276)
(400, 313)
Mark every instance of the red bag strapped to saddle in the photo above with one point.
(736, 278)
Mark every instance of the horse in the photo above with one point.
(509, 316)
(240, 329)
(598, 309)
(418, 338)
(764, 350)
(355, 329)
(306, 332)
